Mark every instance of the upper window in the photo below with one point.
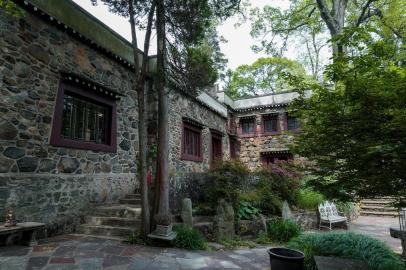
(191, 143)
(270, 124)
(248, 126)
(293, 123)
(83, 120)
(268, 159)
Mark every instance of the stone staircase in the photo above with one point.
(115, 221)
(381, 207)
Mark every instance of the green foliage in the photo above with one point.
(189, 238)
(264, 76)
(11, 8)
(247, 210)
(349, 209)
(356, 131)
(136, 239)
(281, 230)
(236, 243)
(348, 245)
(228, 178)
(276, 184)
(203, 209)
(309, 199)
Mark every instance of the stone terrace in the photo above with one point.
(80, 252)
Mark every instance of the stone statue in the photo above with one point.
(186, 213)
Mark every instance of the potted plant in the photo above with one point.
(163, 225)
(285, 259)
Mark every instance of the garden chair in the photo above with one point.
(329, 215)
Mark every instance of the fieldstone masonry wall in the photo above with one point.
(41, 182)
(251, 147)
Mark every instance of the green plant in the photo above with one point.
(189, 238)
(309, 199)
(228, 178)
(281, 230)
(247, 210)
(203, 209)
(349, 209)
(348, 245)
(264, 239)
(236, 243)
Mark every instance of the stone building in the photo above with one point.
(68, 122)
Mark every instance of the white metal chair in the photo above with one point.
(329, 215)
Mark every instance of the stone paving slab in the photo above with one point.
(72, 252)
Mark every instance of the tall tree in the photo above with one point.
(264, 76)
(274, 26)
(136, 11)
(356, 131)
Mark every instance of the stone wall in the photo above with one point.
(41, 182)
(250, 148)
(188, 177)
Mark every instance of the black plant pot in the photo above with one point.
(285, 259)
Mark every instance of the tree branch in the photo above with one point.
(326, 16)
(362, 17)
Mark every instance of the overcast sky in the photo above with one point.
(237, 49)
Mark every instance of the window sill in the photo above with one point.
(66, 143)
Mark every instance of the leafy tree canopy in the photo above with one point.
(356, 131)
(265, 75)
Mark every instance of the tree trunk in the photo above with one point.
(334, 20)
(163, 111)
(142, 129)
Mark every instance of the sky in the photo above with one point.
(237, 49)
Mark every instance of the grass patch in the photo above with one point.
(189, 238)
(373, 252)
(236, 242)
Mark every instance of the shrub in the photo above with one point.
(189, 238)
(309, 199)
(228, 178)
(281, 230)
(348, 245)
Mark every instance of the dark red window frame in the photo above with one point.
(191, 143)
(233, 148)
(83, 93)
(244, 122)
(216, 146)
(268, 118)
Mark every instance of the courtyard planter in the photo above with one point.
(285, 259)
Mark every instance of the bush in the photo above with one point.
(247, 210)
(309, 199)
(228, 178)
(277, 184)
(189, 238)
(348, 245)
(281, 230)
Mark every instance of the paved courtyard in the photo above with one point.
(73, 252)
(378, 227)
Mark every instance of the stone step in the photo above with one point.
(105, 230)
(113, 221)
(133, 196)
(379, 214)
(378, 208)
(377, 202)
(118, 210)
(130, 201)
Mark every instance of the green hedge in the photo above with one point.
(189, 238)
(347, 245)
(280, 230)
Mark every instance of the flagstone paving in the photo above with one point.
(74, 252)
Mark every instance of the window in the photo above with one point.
(271, 158)
(248, 126)
(293, 123)
(233, 148)
(191, 143)
(270, 123)
(83, 120)
(216, 147)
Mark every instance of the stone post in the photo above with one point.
(186, 213)
(224, 225)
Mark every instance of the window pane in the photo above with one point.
(83, 120)
(247, 126)
(293, 123)
(191, 142)
(271, 124)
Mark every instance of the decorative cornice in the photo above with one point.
(193, 122)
